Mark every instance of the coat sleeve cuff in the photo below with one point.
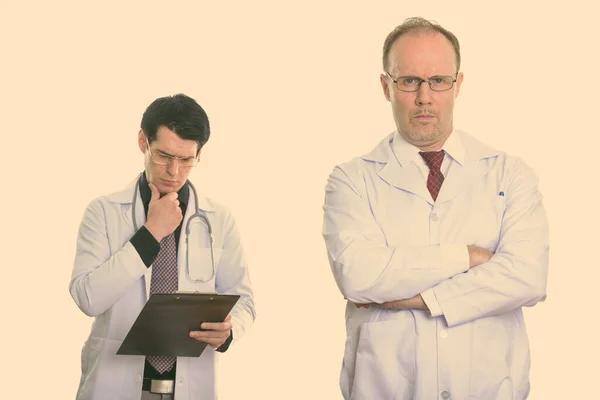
(428, 296)
(456, 258)
(146, 245)
(223, 348)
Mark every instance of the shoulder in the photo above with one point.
(117, 200)
(374, 159)
(510, 167)
(212, 206)
(216, 211)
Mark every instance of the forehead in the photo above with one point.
(422, 54)
(169, 142)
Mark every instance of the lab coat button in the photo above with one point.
(445, 394)
(181, 380)
(138, 379)
(443, 335)
(434, 217)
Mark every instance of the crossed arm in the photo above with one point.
(477, 256)
(369, 273)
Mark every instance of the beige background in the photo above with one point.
(291, 89)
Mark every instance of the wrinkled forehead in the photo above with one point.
(422, 54)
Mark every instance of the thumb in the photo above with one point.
(154, 190)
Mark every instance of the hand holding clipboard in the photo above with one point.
(163, 326)
(214, 333)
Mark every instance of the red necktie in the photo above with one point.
(434, 159)
(164, 280)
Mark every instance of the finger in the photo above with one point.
(209, 335)
(228, 318)
(172, 196)
(389, 304)
(396, 305)
(214, 343)
(217, 326)
(155, 195)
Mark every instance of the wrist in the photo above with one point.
(476, 256)
(419, 303)
(154, 231)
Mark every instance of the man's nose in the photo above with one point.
(423, 94)
(173, 167)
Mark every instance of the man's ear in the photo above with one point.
(459, 80)
(142, 141)
(385, 85)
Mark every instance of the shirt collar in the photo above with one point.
(406, 152)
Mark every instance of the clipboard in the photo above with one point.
(162, 328)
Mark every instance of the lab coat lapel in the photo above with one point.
(405, 178)
(459, 179)
(140, 215)
(182, 247)
(125, 198)
(402, 176)
(140, 219)
(463, 174)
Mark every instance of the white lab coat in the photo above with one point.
(387, 240)
(111, 283)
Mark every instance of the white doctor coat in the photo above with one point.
(388, 240)
(111, 283)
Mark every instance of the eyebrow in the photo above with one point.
(171, 155)
(417, 76)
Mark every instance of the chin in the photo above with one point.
(166, 188)
(429, 132)
(420, 135)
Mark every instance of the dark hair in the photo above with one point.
(181, 114)
(419, 25)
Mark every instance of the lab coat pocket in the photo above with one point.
(485, 220)
(93, 371)
(385, 359)
(490, 355)
(203, 263)
(89, 353)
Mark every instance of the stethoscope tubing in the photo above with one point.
(197, 214)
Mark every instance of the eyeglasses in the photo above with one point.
(413, 83)
(165, 159)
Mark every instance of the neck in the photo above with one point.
(437, 145)
(433, 147)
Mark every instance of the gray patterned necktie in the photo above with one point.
(164, 280)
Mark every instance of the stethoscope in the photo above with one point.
(187, 231)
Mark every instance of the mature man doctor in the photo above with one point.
(117, 267)
(437, 241)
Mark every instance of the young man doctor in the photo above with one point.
(117, 267)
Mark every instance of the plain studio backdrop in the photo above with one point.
(291, 90)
